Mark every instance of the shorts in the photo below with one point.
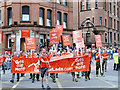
(44, 71)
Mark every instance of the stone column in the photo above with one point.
(37, 41)
(13, 42)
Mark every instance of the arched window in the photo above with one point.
(25, 13)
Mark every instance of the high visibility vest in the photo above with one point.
(116, 58)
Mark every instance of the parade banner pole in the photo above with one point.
(100, 60)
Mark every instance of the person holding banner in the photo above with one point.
(22, 56)
(13, 75)
(87, 73)
(97, 63)
(44, 66)
(32, 75)
(104, 57)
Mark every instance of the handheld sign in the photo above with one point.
(25, 33)
(77, 36)
(1, 37)
(54, 38)
(30, 43)
(60, 29)
(66, 40)
(81, 44)
(98, 41)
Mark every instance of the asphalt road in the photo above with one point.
(65, 80)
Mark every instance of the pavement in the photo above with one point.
(65, 80)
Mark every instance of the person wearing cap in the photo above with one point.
(104, 57)
(44, 66)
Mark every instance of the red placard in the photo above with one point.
(81, 44)
(30, 43)
(25, 65)
(54, 38)
(59, 29)
(25, 33)
(66, 40)
(98, 41)
(1, 37)
(77, 36)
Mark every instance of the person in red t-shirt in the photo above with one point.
(104, 57)
(44, 66)
(97, 63)
(2, 59)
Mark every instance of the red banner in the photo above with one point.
(25, 33)
(25, 65)
(73, 64)
(54, 38)
(1, 37)
(30, 43)
(77, 36)
(66, 40)
(98, 41)
(58, 64)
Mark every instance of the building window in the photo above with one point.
(93, 20)
(106, 37)
(114, 36)
(114, 24)
(88, 37)
(105, 22)
(41, 16)
(88, 4)
(114, 10)
(118, 12)
(100, 21)
(59, 1)
(8, 41)
(105, 5)
(110, 37)
(58, 18)
(9, 16)
(96, 4)
(65, 21)
(117, 25)
(49, 23)
(0, 17)
(65, 2)
(25, 13)
(118, 38)
(110, 22)
(82, 5)
(110, 8)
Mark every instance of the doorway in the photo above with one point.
(22, 44)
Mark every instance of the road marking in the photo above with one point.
(17, 83)
(58, 83)
(105, 81)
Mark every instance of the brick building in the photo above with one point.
(40, 16)
(106, 17)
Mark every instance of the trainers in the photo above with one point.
(88, 78)
(30, 78)
(48, 87)
(76, 80)
(43, 87)
(32, 81)
(12, 81)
